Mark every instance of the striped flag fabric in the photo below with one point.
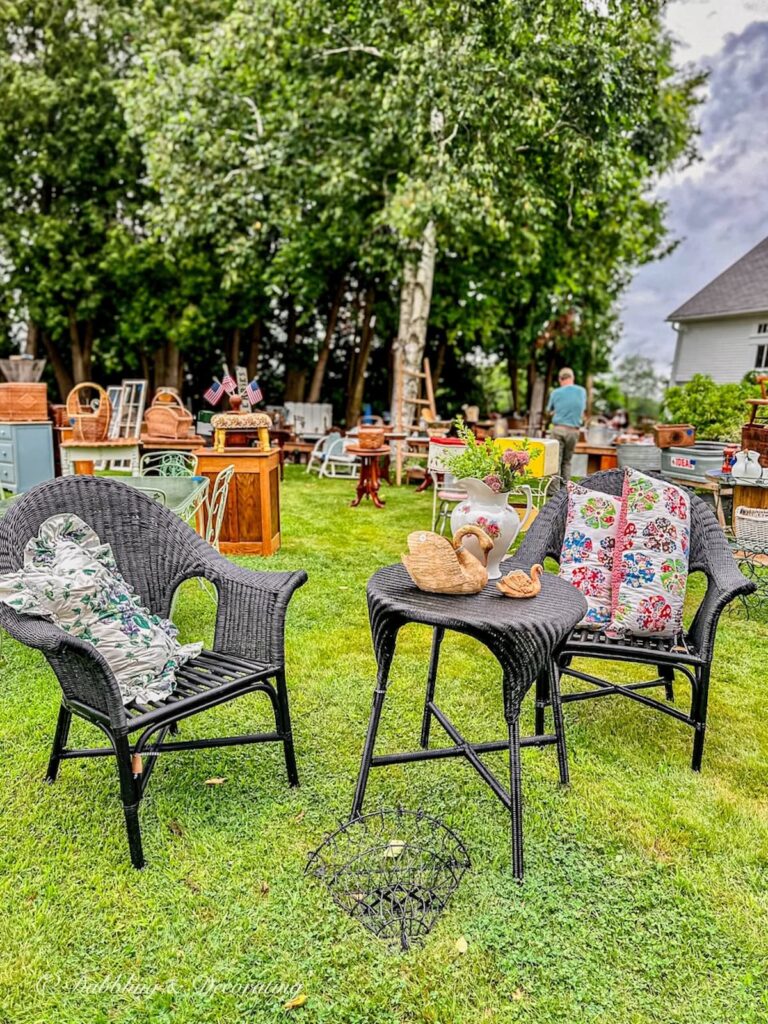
(229, 383)
(214, 393)
(254, 392)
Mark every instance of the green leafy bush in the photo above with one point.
(716, 410)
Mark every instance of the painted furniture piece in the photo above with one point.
(525, 638)
(183, 495)
(123, 449)
(251, 523)
(168, 463)
(26, 455)
(370, 477)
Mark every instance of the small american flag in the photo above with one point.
(253, 392)
(214, 393)
(229, 383)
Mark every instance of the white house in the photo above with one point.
(723, 329)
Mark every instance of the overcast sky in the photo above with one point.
(718, 208)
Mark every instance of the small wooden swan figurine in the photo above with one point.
(519, 584)
(440, 566)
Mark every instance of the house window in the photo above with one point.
(762, 328)
(761, 357)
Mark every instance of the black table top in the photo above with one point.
(523, 634)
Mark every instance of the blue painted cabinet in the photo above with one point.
(26, 455)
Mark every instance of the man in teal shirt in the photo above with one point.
(566, 405)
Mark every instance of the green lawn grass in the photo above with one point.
(645, 893)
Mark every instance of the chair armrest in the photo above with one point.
(722, 588)
(250, 621)
(82, 672)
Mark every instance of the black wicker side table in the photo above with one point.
(523, 635)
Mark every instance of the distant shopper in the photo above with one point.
(566, 405)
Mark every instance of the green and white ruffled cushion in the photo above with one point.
(70, 577)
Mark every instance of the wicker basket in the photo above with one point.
(88, 424)
(751, 524)
(370, 437)
(23, 401)
(167, 417)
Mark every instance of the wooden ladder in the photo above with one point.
(423, 403)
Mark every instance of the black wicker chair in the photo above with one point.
(690, 654)
(155, 552)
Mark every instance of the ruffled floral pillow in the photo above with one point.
(70, 577)
(651, 566)
(586, 559)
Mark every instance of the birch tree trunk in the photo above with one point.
(415, 299)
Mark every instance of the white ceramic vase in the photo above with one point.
(494, 515)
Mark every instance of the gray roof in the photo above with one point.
(742, 288)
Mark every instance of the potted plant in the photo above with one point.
(488, 474)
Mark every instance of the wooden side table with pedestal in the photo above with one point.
(370, 476)
(251, 523)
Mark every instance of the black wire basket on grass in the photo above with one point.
(392, 870)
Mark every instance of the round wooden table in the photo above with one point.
(370, 478)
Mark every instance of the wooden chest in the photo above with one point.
(674, 435)
(251, 524)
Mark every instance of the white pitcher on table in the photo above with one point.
(494, 515)
(747, 465)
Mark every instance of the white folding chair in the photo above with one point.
(338, 461)
(318, 453)
(445, 487)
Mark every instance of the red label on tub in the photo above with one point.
(683, 462)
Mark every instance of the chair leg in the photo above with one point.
(553, 682)
(370, 738)
(667, 673)
(284, 726)
(426, 721)
(516, 799)
(699, 715)
(542, 699)
(59, 742)
(130, 791)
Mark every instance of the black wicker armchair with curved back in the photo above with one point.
(690, 654)
(155, 551)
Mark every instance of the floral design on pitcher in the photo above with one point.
(489, 526)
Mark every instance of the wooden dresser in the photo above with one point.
(251, 523)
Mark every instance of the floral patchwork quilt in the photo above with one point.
(586, 559)
(651, 565)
